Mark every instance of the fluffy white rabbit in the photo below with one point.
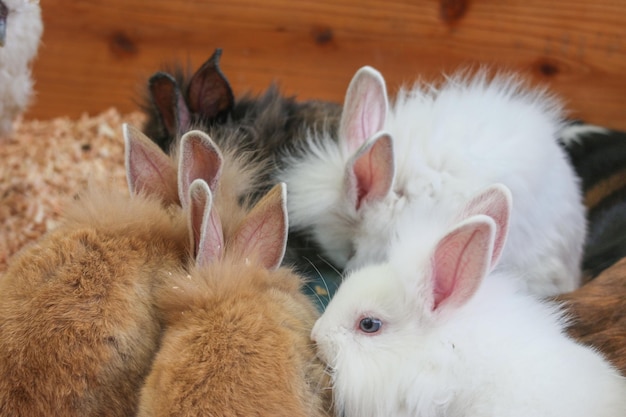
(21, 28)
(430, 151)
(435, 331)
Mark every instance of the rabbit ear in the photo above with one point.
(209, 91)
(207, 238)
(170, 103)
(199, 158)
(365, 108)
(263, 233)
(460, 262)
(370, 171)
(148, 168)
(494, 201)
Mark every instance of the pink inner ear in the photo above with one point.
(211, 245)
(365, 108)
(263, 233)
(199, 159)
(206, 228)
(460, 262)
(372, 171)
(148, 168)
(494, 201)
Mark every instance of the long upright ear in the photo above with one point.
(209, 92)
(460, 262)
(370, 172)
(365, 108)
(170, 103)
(263, 233)
(496, 202)
(205, 229)
(199, 158)
(148, 169)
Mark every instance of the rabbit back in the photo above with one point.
(236, 346)
(598, 314)
(599, 157)
(472, 132)
(78, 329)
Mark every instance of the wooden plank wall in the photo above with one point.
(98, 53)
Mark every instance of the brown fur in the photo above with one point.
(78, 328)
(240, 177)
(598, 311)
(237, 335)
(237, 344)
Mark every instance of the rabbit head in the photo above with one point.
(236, 341)
(175, 104)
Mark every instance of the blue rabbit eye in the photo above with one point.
(370, 325)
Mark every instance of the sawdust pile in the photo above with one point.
(44, 164)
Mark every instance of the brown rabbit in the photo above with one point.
(598, 308)
(598, 311)
(236, 341)
(78, 326)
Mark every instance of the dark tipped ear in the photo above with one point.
(365, 108)
(200, 158)
(263, 233)
(169, 103)
(206, 234)
(148, 169)
(494, 201)
(460, 262)
(370, 172)
(209, 92)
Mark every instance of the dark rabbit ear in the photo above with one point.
(199, 158)
(209, 92)
(263, 233)
(170, 104)
(207, 237)
(370, 172)
(460, 262)
(148, 169)
(365, 108)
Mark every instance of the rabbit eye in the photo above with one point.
(370, 325)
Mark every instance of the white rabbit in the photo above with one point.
(21, 28)
(434, 148)
(432, 332)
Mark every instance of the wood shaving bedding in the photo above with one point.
(44, 164)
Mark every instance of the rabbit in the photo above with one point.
(598, 313)
(599, 158)
(208, 98)
(78, 325)
(437, 330)
(430, 149)
(236, 341)
(597, 309)
(177, 103)
(21, 28)
(265, 126)
(78, 328)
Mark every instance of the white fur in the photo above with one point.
(23, 33)
(449, 142)
(572, 133)
(501, 354)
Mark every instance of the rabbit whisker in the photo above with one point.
(321, 276)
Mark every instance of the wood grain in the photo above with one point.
(99, 53)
